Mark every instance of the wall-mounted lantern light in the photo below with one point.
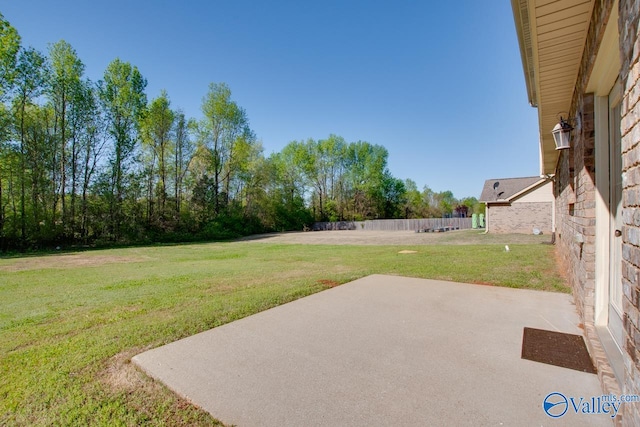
(562, 134)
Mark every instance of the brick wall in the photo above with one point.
(575, 210)
(575, 203)
(520, 217)
(575, 199)
(630, 129)
(575, 181)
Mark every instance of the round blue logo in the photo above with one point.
(555, 405)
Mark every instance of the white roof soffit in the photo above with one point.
(552, 35)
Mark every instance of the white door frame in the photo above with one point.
(610, 334)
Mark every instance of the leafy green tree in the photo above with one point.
(203, 199)
(123, 97)
(63, 88)
(157, 126)
(30, 82)
(248, 174)
(414, 207)
(431, 202)
(286, 189)
(366, 166)
(446, 202)
(9, 48)
(40, 155)
(331, 166)
(224, 127)
(296, 173)
(322, 163)
(345, 180)
(88, 148)
(393, 197)
(289, 171)
(473, 205)
(183, 153)
(9, 171)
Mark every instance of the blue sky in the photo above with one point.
(439, 84)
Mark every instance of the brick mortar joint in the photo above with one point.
(631, 84)
(630, 129)
(632, 165)
(628, 109)
(633, 62)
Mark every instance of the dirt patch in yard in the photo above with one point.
(395, 238)
(121, 376)
(68, 260)
(328, 283)
(477, 282)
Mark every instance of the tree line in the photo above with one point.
(84, 162)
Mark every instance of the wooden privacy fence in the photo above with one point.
(396, 224)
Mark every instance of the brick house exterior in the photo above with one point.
(581, 61)
(518, 205)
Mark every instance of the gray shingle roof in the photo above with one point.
(503, 189)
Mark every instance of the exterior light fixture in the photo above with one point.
(562, 134)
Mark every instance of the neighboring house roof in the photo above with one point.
(506, 189)
(552, 36)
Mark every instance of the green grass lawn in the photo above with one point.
(71, 322)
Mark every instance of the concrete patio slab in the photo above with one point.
(382, 350)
